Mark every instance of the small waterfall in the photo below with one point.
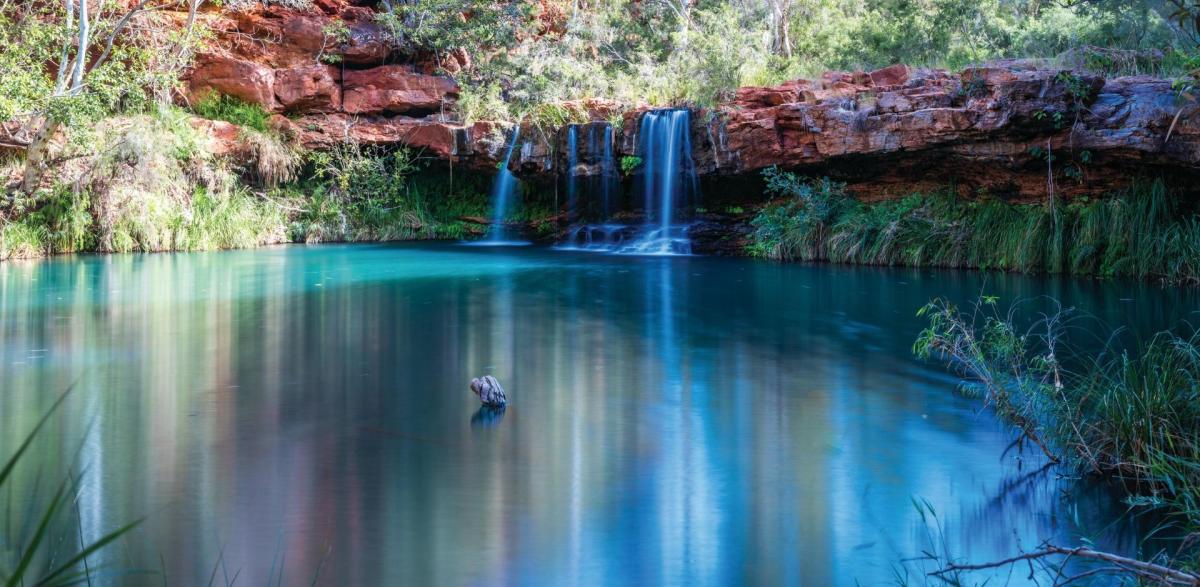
(669, 180)
(504, 187)
(600, 140)
(572, 163)
(603, 238)
(591, 199)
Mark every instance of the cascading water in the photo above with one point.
(504, 187)
(572, 162)
(600, 140)
(669, 180)
(593, 200)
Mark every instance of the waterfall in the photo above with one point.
(572, 162)
(504, 187)
(669, 180)
(600, 140)
(589, 152)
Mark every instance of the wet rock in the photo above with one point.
(489, 391)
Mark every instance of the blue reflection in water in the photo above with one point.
(671, 420)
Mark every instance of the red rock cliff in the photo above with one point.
(998, 129)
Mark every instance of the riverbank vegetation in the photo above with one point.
(153, 182)
(101, 152)
(156, 190)
(1130, 415)
(1138, 232)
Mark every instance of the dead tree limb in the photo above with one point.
(1141, 569)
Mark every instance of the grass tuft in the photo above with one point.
(1140, 232)
(214, 106)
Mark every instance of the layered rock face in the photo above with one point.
(332, 76)
(1004, 129)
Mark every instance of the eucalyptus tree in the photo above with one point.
(97, 57)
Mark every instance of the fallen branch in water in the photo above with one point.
(1156, 573)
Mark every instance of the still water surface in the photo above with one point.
(692, 421)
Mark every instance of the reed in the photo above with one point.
(1131, 415)
(1139, 232)
(47, 551)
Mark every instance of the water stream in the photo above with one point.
(669, 180)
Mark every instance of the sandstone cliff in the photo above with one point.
(1001, 129)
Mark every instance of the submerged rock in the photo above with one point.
(489, 391)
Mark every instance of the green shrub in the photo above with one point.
(374, 194)
(214, 106)
(629, 164)
(22, 239)
(481, 101)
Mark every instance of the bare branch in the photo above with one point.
(112, 37)
(1141, 569)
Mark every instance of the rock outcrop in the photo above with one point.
(333, 86)
(396, 89)
(1000, 129)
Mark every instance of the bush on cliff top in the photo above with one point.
(671, 52)
(1140, 232)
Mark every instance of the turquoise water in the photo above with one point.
(682, 420)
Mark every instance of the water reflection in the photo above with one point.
(688, 420)
(487, 416)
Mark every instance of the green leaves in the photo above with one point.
(629, 164)
(215, 106)
(32, 567)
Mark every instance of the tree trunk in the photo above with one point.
(35, 156)
(82, 57)
(60, 81)
(781, 41)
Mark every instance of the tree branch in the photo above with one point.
(1142, 569)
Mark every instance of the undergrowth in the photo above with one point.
(1130, 414)
(1139, 232)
